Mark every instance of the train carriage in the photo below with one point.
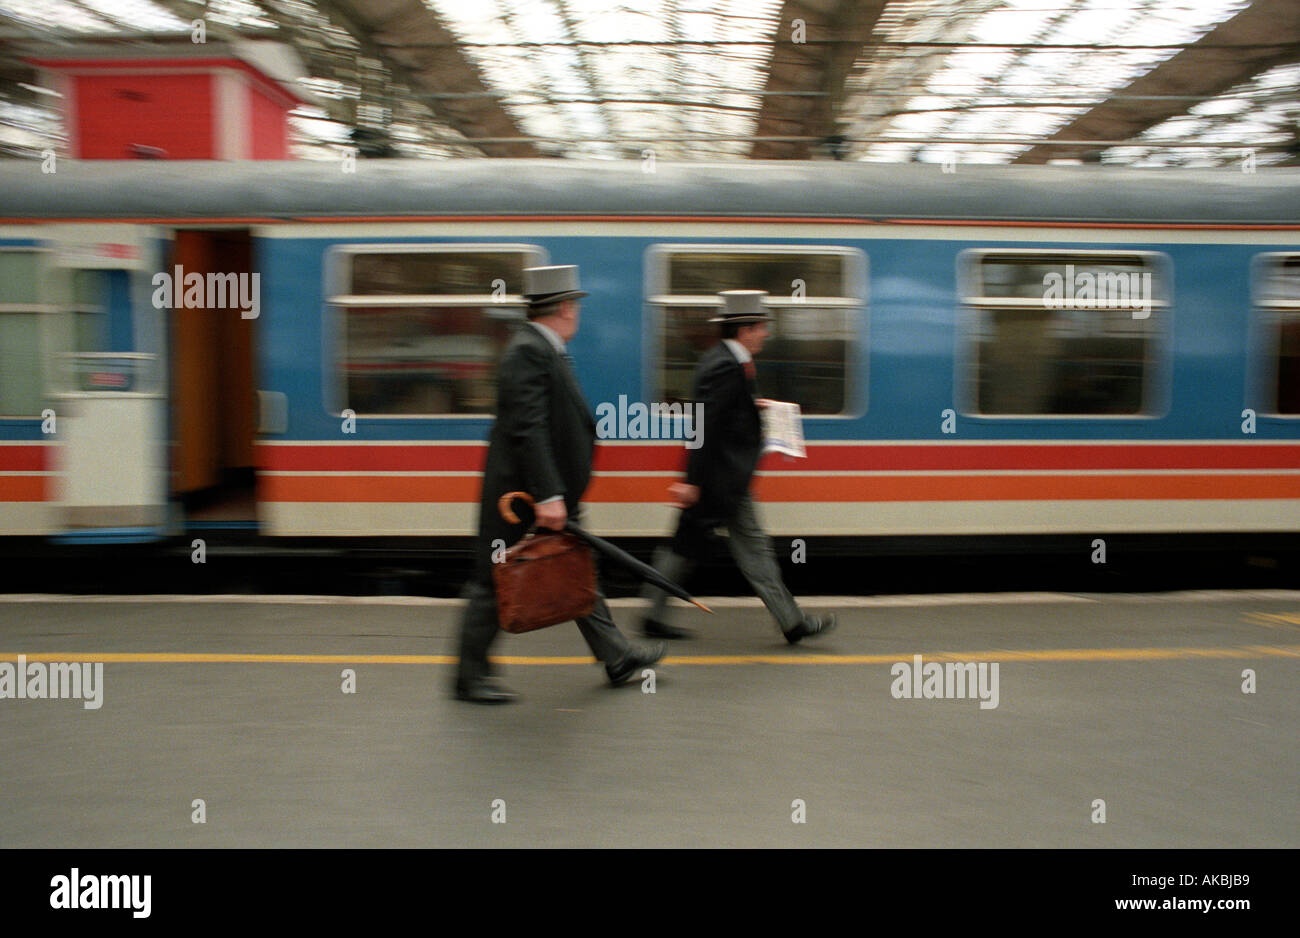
(1029, 350)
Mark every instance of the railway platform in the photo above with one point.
(1121, 720)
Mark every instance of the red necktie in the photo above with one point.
(750, 371)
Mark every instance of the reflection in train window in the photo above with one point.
(1056, 334)
(460, 271)
(1277, 293)
(423, 327)
(814, 297)
(21, 378)
(90, 289)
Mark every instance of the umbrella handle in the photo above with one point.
(505, 501)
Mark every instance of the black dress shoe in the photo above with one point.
(653, 628)
(811, 625)
(485, 691)
(640, 655)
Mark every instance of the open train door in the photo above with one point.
(214, 314)
(109, 415)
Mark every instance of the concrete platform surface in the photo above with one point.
(1174, 717)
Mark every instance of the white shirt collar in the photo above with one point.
(741, 353)
(551, 336)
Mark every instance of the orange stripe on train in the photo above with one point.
(24, 489)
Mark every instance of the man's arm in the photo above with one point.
(529, 375)
(713, 391)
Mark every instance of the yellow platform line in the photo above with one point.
(1275, 620)
(1045, 655)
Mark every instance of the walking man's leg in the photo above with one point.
(752, 550)
(620, 656)
(478, 627)
(676, 568)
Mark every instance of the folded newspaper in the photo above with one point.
(783, 429)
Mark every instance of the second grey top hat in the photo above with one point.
(551, 284)
(742, 306)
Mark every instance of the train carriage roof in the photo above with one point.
(283, 190)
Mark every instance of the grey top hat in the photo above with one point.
(743, 307)
(543, 285)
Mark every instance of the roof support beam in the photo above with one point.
(412, 36)
(809, 65)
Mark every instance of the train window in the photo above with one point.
(90, 310)
(21, 378)
(1277, 294)
(423, 327)
(457, 272)
(814, 295)
(1063, 334)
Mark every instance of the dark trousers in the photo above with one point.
(752, 550)
(479, 627)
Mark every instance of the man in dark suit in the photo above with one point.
(718, 475)
(541, 443)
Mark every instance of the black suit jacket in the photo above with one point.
(724, 464)
(541, 442)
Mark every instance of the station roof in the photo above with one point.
(1142, 82)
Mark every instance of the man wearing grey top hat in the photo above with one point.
(718, 474)
(541, 443)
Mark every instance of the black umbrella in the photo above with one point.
(605, 549)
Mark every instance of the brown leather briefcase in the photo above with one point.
(546, 578)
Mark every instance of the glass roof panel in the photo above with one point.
(974, 80)
(621, 77)
(1021, 93)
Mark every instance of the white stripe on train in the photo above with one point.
(815, 519)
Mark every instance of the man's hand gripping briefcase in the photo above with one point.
(547, 578)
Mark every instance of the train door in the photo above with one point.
(214, 305)
(106, 415)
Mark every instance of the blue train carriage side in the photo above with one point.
(291, 350)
